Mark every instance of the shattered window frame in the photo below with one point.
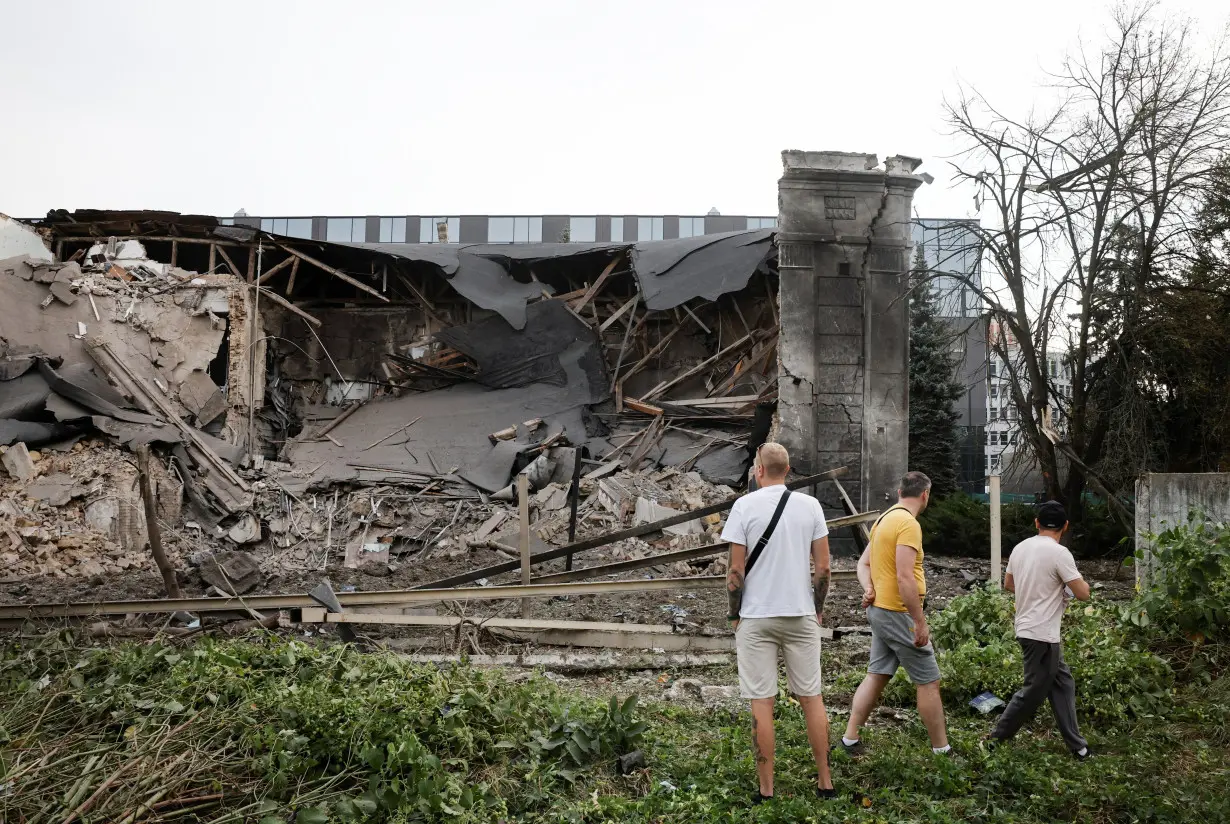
(392, 230)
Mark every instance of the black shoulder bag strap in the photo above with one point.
(768, 533)
(883, 516)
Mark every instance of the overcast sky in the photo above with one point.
(324, 107)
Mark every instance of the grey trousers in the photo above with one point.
(1046, 676)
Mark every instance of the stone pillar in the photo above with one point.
(843, 354)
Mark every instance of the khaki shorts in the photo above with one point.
(756, 643)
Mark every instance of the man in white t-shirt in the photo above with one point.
(1043, 575)
(777, 602)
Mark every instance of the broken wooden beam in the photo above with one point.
(707, 551)
(406, 597)
(619, 313)
(850, 509)
(593, 290)
(333, 424)
(290, 282)
(234, 269)
(710, 403)
(642, 407)
(678, 379)
(649, 439)
(287, 305)
(636, 563)
(232, 492)
(576, 662)
(613, 537)
(269, 273)
(337, 273)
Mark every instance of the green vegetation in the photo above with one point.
(269, 730)
(1192, 565)
(934, 388)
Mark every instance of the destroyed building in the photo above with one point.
(272, 372)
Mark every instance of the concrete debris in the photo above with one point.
(56, 489)
(232, 572)
(18, 462)
(693, 690)
(18, 239)
(82, 518)
(490, 525)
(202, 397)
(247, 529)
(151, 333)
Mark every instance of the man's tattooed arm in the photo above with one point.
(820, 590)
(822, 575)
(734, 589)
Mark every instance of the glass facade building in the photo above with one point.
(501, 228)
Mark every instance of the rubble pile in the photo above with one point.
(624, 381)
(79, 515)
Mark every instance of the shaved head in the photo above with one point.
(773, 459)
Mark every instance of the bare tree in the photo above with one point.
(1090, 204)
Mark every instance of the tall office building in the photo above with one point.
(953, 257)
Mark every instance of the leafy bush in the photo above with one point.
(1191, 566)
(582, 742)
(984, 615)
(960, 525)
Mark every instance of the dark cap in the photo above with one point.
(1052, 515)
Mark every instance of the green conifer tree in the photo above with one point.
(934, 388)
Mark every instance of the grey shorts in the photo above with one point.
(757, 641)
(892, 646)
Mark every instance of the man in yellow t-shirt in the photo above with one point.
(891, 572)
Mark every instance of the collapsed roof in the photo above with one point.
(468, 361)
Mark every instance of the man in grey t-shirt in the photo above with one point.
(1043, 575)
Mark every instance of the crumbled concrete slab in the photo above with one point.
(648, 512)
(63, 293)
(21, 267)
(56, 489)
(16, 238)
(18, 463)
(490, 525)
(231, 571)
(202, 397)
(68, 272)
(247, 530)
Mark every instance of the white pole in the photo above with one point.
(995, 530)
